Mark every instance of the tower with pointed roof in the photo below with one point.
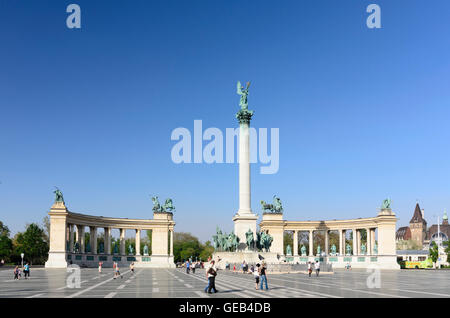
(418, 226)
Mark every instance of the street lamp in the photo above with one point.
(22, 255)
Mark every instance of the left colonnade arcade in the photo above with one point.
(86, 240)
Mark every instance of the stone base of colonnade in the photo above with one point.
(355, 261)
(56, 260)
(155, 261)
(124, 261)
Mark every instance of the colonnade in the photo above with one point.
(341, 248)
(67, 230)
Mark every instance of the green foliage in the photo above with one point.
(4, 230)
(6, 248)
(32, 243)
(186, 245)
(434, 252)
(46, 223)
(207, 251)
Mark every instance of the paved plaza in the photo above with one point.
(175, 283)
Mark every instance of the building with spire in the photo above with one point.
(418, 231)
(418, 226)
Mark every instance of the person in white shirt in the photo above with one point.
(309, 269)
(256, 275)
(317, 267)
(211, 273)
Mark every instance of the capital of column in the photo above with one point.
(244, 116)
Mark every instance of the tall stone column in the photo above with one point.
(244, 219)
(326, 242)
(122, 242)
(138, 242)
(107, 240)
(93, 239)
(341, 241)
(295, 243)
(311, 241)
(355, 246)
(71, 238)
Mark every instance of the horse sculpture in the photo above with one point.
(156, 204)
(275, 207)
(168, 206)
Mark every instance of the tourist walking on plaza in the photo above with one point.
(263, 275)
(193, 268)
(256, 275)
(26, 270)
(211, 272)
(187, 267)
(116, 271)
(317, 267)
(100, 264)
(16, 273)
(309, 269)
(132, 267)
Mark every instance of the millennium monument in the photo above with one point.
(244, 219)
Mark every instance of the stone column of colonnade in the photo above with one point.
(71, 242)
(355, 244)
(311, 241)
(122, 242)
(372, 240)
(107, 240)
(93, 239)
(326, 242)
(358, 242)
(368, 241)
(171, 243)
(341, 241)
(138, 242)
(80, 237)
(295, 243)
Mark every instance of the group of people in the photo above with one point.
(116, 269)
(316, 266)
(259, 273)
(18, 272)
(192, 266)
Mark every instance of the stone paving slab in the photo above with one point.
(175, 283)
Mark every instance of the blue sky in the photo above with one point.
(363, 114)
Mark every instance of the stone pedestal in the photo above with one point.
(250, 257)
(242, 223)
(58, 235)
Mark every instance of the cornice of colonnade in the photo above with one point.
(348, 224)
(160, 220)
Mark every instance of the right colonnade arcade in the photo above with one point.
(357, 241)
